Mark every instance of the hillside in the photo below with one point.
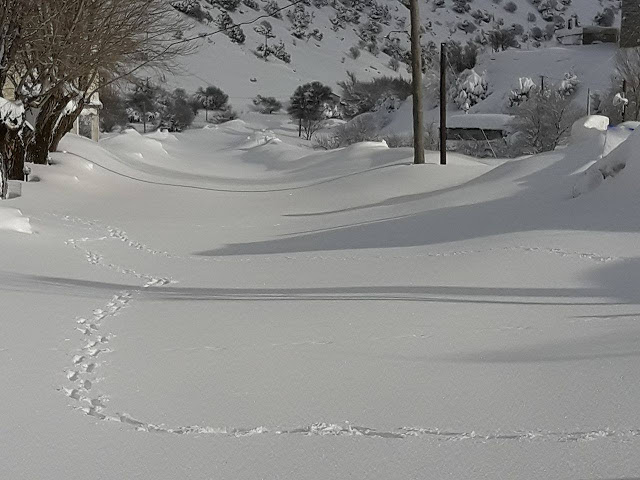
(325, 54)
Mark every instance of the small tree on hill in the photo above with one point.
(266, 104)
(211, 98)
(265, 29)
(501, 39)
(307, 105)
(144, 100)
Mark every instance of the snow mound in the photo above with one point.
(163, 135)
(586, 127)
(12, 219)
(620, 159)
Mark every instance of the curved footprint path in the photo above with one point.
(87, 359)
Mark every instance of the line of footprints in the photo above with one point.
(82, 375)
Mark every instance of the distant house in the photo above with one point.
(587, 35)
(478, 126)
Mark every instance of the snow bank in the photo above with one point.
(588, 126)
(619, 161)
(11, 219)
(487, 121)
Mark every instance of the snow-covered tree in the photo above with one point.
(211, 98)
(307, 105)
(273, 9)
(471, 88)
(523, 92)
(568, 85)
(266, 104)
(301, 19)
(233, 31)
(265, 29)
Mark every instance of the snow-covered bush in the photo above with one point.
(278, 50)
(369, 31)
(502, 39)
(380, 13)
(511, 7)
(362, 96)
(543, 121)
(233, 31)
(567, 87)
(273, 9)
(193, 9)
(300, 19)
(461, 6)
(605, 18)
(252, 4)
(523, 92)
(471, 88)
(343, 17)
(266, 104)
(230, 5)
(363, 128)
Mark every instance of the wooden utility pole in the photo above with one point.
(416, 84)
(624, 105)
(443, 104)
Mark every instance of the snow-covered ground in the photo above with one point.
(225, 303)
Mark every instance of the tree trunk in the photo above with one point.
(12, 154)
(65, 125)
(46, 124)
(300, 127)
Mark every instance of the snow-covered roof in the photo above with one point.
(485, 121)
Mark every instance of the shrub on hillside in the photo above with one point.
(510, 7)
(193, 9)
(362, 96)
(605, 18)
(266, 104)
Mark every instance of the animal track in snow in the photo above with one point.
(82, 374)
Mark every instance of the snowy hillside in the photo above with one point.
(228, 303)
(326, 31)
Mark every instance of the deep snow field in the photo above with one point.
(226, 303)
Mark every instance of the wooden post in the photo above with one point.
(416, 84)
(443, 104)
(624, 105)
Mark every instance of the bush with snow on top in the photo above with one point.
(471, 88)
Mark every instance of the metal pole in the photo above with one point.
(542, 83)
(588, 101)
(443, 104)
(416, 84)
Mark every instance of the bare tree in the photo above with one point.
(76, 43)
(627, 69)
(543, 121)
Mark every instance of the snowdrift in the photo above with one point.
(11, 219)
(619, 159)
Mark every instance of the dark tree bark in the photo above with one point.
(46, 125)
(65, 126)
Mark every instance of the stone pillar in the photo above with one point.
(95, 127)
